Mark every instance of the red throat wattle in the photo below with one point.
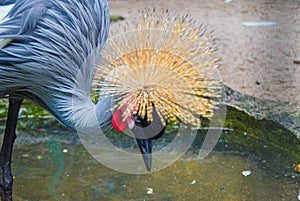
(117, 120)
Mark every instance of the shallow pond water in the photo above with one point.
(50, 163)
(41, 174)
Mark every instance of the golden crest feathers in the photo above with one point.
(163, 61)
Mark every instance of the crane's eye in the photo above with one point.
(141, 122)
(137, 118)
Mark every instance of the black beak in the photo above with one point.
(145, 146)
(145, 132)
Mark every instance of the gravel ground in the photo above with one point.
(260, 61)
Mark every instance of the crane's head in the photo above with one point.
(160, 69)
(144, 129)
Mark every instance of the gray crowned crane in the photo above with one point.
(157, 70)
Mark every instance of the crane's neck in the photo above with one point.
(76, 110)
(87, 115)
(70, 102)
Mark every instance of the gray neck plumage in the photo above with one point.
(79, 112)
(87, 115)
(73, 106)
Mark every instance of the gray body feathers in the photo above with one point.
(53, 49)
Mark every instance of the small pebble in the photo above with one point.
(296, 61)
(149, 191)
(246, 173)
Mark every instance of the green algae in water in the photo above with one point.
(279, 146)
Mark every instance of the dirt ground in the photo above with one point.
(261, 61)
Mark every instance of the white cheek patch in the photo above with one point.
(130, 122)
(4, 42)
